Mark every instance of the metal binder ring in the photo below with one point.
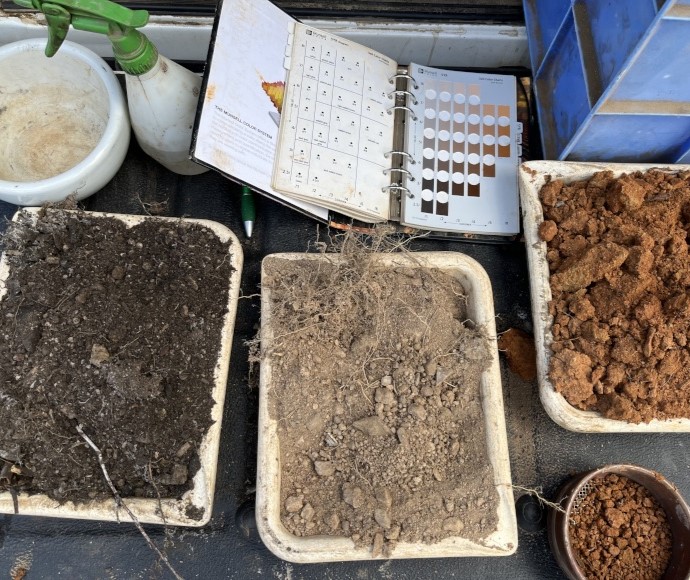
(410, 111)
(400, 170)
(397, 187)
(391, 80)
(410, 159)
(399, 92)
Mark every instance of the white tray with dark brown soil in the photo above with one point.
(607, 248)
(116, 335)
(381, 424)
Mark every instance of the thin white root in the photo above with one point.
(120, 502)
(542, 500)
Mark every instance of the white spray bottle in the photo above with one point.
(162, 96)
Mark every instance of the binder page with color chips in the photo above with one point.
(465, 151)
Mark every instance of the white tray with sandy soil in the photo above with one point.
(381, 423)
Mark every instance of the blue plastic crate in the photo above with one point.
(610, 78)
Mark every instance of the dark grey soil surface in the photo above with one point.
(115, 329)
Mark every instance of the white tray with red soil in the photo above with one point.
(381, 423)
(607, 250)
(116, 337)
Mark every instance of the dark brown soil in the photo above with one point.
(375, 385)
(620, 532)
(115, 329)
(620, 275)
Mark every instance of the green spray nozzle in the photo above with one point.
(132, 49)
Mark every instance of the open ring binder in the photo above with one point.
(399, 92)
(398, 187)
(403, 107)
(407, 155)
(361, 135)
(400, 170)
(402, 75)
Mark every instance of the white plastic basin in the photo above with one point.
(64, 124)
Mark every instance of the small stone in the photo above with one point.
(118, 273)
(332, 521)
(82, 297)
(372, 426)
(52, 260)
(393, 533)
(324, 468)
(383, 518)
(353, 496)
(183, 450)
(441, 375)
(377, 546)
(449, 505)
(385, 396)
(402, 436)
(294, 504)
(307, 512)
(453, 525)
(430, 368)
(177, 477)
(384, 497)
(99, 355)
(386, 381)
(417, 411)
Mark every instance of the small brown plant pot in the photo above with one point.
(664, 492)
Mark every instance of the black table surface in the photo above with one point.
(541, 453)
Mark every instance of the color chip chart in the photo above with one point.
(465, 142)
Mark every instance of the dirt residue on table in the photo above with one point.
(619, 531)
(116, 329)
(620, 275)
(375, 387)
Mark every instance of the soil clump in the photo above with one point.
(620, 275)
(116, 329)
(521, 355)
(619, 531)
(376, 390)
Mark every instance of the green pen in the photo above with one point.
(248, 210)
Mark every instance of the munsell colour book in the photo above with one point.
(323, 123)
